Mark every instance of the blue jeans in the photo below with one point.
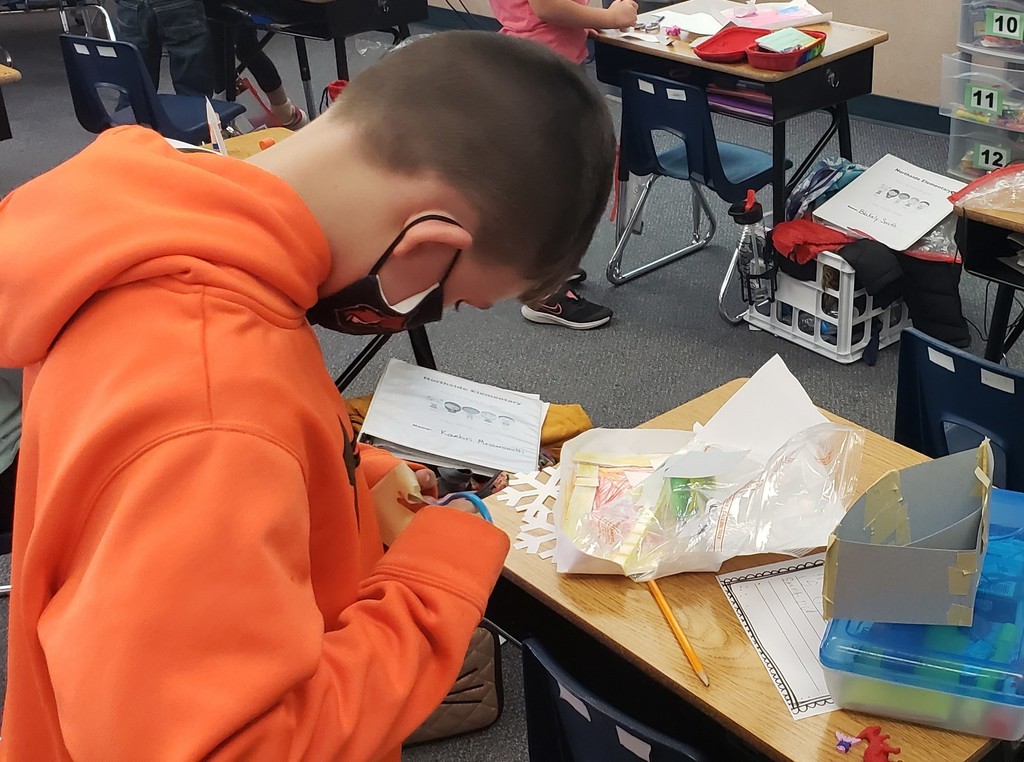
(178, 25)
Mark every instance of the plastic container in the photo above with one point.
(730, 45)
(975, 92)
(828, 315)
(976, 148)
(966, 679)
(993, 27)
(766, 59)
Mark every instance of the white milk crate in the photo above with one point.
(828, 314)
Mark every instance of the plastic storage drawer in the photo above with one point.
(975, 149)
(993, 27)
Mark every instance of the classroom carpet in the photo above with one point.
(665, 345)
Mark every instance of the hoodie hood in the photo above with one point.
(131, 208)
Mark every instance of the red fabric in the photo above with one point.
(803, 240)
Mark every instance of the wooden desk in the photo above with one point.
(8, 76)
(981, 261)
(842, 72)
(244, 146)
(622, 616)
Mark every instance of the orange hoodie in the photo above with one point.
(197, 567)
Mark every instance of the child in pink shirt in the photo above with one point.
(562, 26)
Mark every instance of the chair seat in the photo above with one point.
(188, 114)
(739, 163)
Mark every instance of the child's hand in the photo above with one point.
(622, 14)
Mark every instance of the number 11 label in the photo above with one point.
(984, 99)
(1000, 23)
(990, 157)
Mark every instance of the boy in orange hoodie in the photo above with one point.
(198, 567)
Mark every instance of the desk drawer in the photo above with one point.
(975, 149)
(355, 16)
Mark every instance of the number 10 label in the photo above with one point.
(984, 99)
(990, 157)
(1000, 23)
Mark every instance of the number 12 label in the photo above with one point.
(990, 157)
(984, 99)
(1000, 23)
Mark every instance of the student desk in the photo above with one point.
(842, 72)
(623, 619)
(8, 76)
(1009, 280)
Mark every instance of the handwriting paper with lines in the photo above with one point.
(779, 606)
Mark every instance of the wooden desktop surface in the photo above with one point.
(244, 146)
(8, 75)
(1001, 218)
(842, 40)
(623, 616)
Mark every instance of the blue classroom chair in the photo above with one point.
(652, 105)
(565, 722)
(117, 67)
(947, 400)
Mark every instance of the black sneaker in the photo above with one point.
(578, 276)
(569, 309)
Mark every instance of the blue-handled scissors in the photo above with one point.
(474, 499)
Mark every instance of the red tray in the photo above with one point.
(766, 59)
(729, 45)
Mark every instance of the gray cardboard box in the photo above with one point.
(910, 549)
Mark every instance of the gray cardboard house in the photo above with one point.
(910, 549)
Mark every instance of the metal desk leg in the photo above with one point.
(304, 75)
(362, 359)
(421, 348)
(230, 91)
(341, 58)
(845, 136)
(5, 124)
(996, 346)
(778, 173)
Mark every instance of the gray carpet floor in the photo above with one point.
(666, 344)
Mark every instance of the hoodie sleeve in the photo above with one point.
(187, 626)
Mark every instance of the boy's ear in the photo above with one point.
(434, 235)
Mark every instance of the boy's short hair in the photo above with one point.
(518, 130)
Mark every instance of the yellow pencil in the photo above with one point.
(691, 655)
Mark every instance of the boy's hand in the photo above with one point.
(622, 14)
(462, 505)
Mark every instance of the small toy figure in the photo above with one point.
(877, 750)
(845, 742)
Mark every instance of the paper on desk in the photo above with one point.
(693, 23)
(642, 36)
(216, 138)
(770, 409)
(779, 606)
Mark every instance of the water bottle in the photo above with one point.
(750, 258)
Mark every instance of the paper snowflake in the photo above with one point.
(531, 494)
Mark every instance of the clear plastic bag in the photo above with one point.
(999, 191)
(939, 243)
(610, 512)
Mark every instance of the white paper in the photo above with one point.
(216, 138)
(763, 415)
(455, 419)
(779, 606)
(777, 15)
(892, 202)
(693, 23)
(641, 36)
